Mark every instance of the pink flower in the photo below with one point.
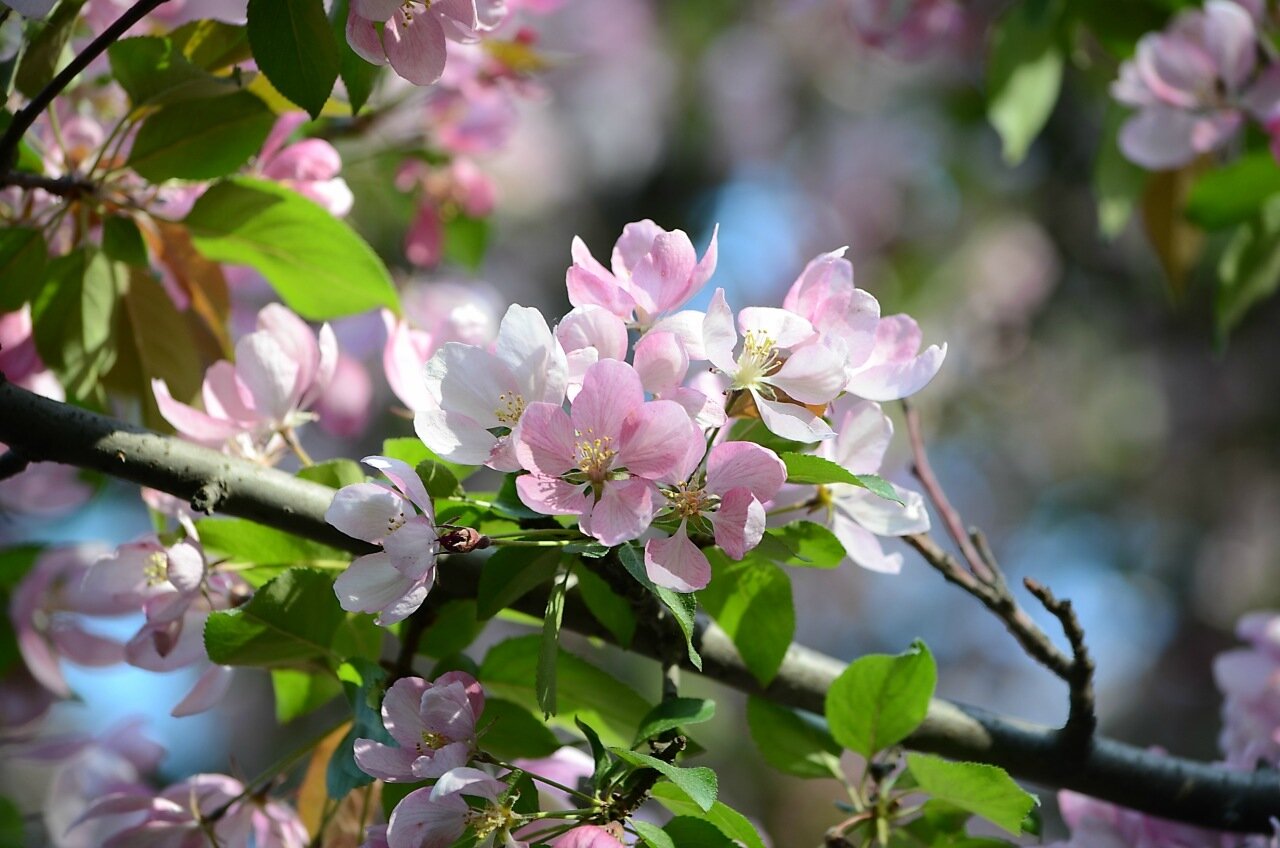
(458, 188)
(309, 167)
(1097, 824)
(436, 817)
(478, 398)
(603, 460)
(433, 724)
(824, 294)
(393, 582)
(856, 515)
(1189, 85)
(654, 272)
(661, 359)
(782, 362)
(414, 32)
(45, 611)
(1249, 679)
(568, 766)
(280, 371)
(896, 367)
(727, 501)
(588, 836)
(346, 404)
(588, 334)
(907, 28)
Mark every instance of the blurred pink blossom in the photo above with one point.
(1249, 679)
(907, 28)
(309, 166)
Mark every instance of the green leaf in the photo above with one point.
(294, 46)
(698, 783)
(11, 829)
(43, 54)
(334, 473)
(1117, 182)
(607, 607)
(465, 241)
(730, 822)
(803, 543)
(652, 835)
(790, 743)
(23, 257)
(549, 651)
(806, 468)
(201, 139)
(510, 574)
(317, 264)
(1249, 271)
(411, 450)
(683, 607)
(454, 629)
(1234, 193)
(879, 699)
(584, 691)
(753, 430)
(358, 76)
(1024, 75)
(122, 241)
(247, 541)
(359, 636)
(437, 478)
(508, 503)
(695, 832)
(153, 71)
(300, 692)
(981, 789)
(289, 622)
(212, 45)
(751, 601)
(509, 731)
(363, 682)
(74, 317)
(674, 713)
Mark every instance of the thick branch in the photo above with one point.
(26, 116)
(1172, 787)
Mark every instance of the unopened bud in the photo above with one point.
(463, 540)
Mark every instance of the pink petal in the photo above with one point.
(454, 437)
(474, 382)
(731, 465)
(1231, 39)
(225, 397)
(546, 444)
(659, 442)
(472, 687)
(207, 692)
(676, 563)
(412, 548)
(719, 337)
(783, 326)
(864, 432)
(394, 765)
(633, 245)
(285, 126)
(298, 342)
(687, 327)
(433, 764)
(587, 288)
(415, 48)
(468, 781)
(863, 547)
(403, 358)
(595, 327)
(739, 522)
(376, 10)
(660, 280)
(1159, 138)
(84, 648)
(706, 267)
(812, 374)
(610, 392)
(661, 361)
(424, 240)
(791, 421)
(896, 380)
(186, 567)
(192, 423)
(588, 836)
(532, 354)
(400, 710)
(623, 512)
(269, 373)
(423, 821)
(372, 584)
(365, 511)
(405, 479)
(551, 495)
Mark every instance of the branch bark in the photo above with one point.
(1172, 787)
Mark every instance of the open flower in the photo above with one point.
(782, 362)
(414, 32)
(436, 817)
(896, 367)
(309, 166)
(477, 392)
(393, 582)
(603, 459)
(654, 271)
(434, 725)
(729, 500)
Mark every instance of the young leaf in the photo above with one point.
(75, 315)
(153, 71)
(698, 783)
(729, 821)
(465, 241)
(1234, 193)
(584, 691)
(317, 264)
(808, 469)
(510, 574)
(549, 651)
(212, 45)
(411, 450)
(362, 680)
(454, 629)
(295, 47)
(290, 621)
(41, 57)
(983, 790)
(334, 473)
(674, 713)
(437, 478)
(1024, 75)
(247, 541)
(23, 255)
(652, 835)
(751, 601)
(791, 744)
(358, 76)
(201, 139)
(300, 692)
(684, 607)
(509, 731)
(803, 543)
(1249, 270)
(606, 606)
(697, 832)
(879, 699)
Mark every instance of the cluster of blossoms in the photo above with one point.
(608, 419)
(1194, 84)
(911, 30)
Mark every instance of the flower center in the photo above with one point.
(156, 571)
(510, 407)
(489, 819)
(687, 501)
(396, 521)
(431, 741)
(594, 454)
(759, 359)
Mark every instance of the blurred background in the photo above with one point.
(1086, 419)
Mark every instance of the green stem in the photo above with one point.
(565, 533)
(548, 781)
(522, 543)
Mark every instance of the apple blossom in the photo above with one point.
(412, 39)
(433, 724)
(602, 460)
(281, 370)
(728, 500)
(309, 166)
(394, 581)
(475, 392)
(782, 363)
(1249, 679)
(588, 836)
(653, 272)
(907, 28)
(896, 367)
(435, 817)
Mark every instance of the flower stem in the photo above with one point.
(291, 439)
(567, 532)
(549, 782)
(530, 543)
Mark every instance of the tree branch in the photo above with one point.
(1172, 787)
(26, 116)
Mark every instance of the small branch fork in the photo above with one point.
(980, 575)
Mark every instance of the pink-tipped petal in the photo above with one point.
(403, 478)
(661, 361)
(551, 495)
(366, 511)
(415, 47)
(739, 522)
(454, 437)
(623, 512)
(611, 391)
(658, 441)
(732, 465)
(207, 692)
(394, 765)
(791, 421)
(676, 563)
(546, 442)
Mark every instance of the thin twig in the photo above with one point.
(951, 518)
(69, 186)
(1082, 721)
(415, 626)
(26, 116)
